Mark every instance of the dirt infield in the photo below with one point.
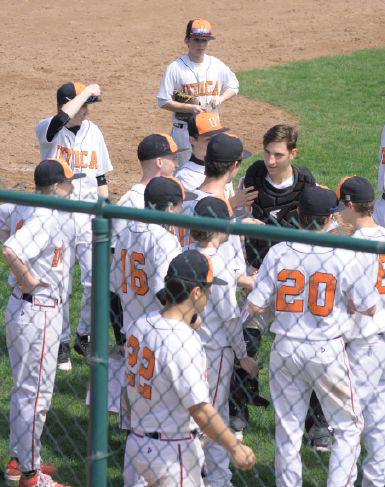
(125, 46)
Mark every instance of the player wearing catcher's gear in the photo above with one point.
(221, 333)
(309, 286)
(80, 143)
(204, 77)
(168, 392)
(157, 154)
(202, 128)
(34, 253)
(365, 348)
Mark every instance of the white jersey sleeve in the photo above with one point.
(190, 178)
(6, 211)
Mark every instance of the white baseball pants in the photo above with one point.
(367, 362)
(296, 368)
(181, 138)
(379, 211)
(220, 364)
(166, 463)
(33, 333)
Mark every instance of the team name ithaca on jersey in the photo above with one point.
(66, 153)
(205, 88)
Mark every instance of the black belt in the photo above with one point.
(27, 297)
(180, 125)
(157, 436)
(383, 196)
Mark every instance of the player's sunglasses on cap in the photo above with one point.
(193, 266)
(157, 145)
(226, 148)
(163, 190)
(51, 171)
(200, 29)
(206, 124)
(214, 207)
(317, 201)
(68, 91)
(355, 189)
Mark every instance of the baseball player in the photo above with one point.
(70, 136)
(157, 154)
(309, 286)
(201, 129)
(195, 73)
(168, 393)
(379, 207)
(221, 333)
(222, 161)
(34, 253)
(365, 348)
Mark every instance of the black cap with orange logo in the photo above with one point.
(51, 171)
(200, 29)
(157, 145)
(70, 90)
(206, 124)
(193, 266)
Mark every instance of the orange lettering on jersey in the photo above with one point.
(132, 357)
(82, 154)
(123, 254)
(19, 224)
(215, 90)
(58, 147)
(202, 89)
(184, 89)
(58, 256)
(138, 276)
(195, 86)
(76, 154)
(383, 155)
(94, 161)
(146, 372)
(381, 274)
(68, 156)
(327, 307)
(283, 291)
(207, 91)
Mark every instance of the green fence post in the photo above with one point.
(98, 422)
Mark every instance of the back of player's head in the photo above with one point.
(359, 191)
(69, 91)
(211, 207)
(187, 271)
(282, 133)
(223, 151)
(205, 124)
(315, 205)
(163, 191)
(199, 29)
(157, 145)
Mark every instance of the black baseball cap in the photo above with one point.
(163, 190)
(51, 171)
(356, 189)
(157, 145)
(205, 123)
(200, 29)
(193, 266)
(317, 201)
(214, 207)
(226, 148)
(68, 91)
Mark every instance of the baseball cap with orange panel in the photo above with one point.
(51, 171)
(206, 124)
(68, 91)
(199, 28)
(156, 145)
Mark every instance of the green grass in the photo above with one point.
(340, 117)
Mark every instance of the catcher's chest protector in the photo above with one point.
(273, 205)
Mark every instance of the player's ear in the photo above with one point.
(293, 153)
(158, 162)
(186, 40)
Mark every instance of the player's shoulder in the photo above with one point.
(134, 197)
(44, 122)
(306, 173)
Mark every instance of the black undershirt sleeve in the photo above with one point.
(102, 181)
(57, 123)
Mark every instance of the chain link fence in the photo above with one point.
(137, 401)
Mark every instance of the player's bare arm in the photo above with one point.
(213, 426)
(73, 106)
(175, 106)
(250, 365)
(26, 282)
(245, 281)
(256, 310)
(4, 235)
(103, 191)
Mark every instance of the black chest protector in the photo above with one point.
(273, 206)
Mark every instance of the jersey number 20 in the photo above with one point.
(138, 276)
(298, 288)
(145, 372)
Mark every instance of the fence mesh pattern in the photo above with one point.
(219, 373)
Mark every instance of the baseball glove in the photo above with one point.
(182, 97)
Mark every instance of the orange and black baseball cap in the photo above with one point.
(163, 190)
(157, 145)
(206, 124)
(51, 171)
(214, 207)
(68, 91)
(226, 148)
(200, 29)
(193, 266)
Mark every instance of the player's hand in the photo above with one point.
(351, 307)
(243, 456)
(252, 220)
(243, 197)
(195, 108)
(250, 365)
(93, 90)
(28, 284)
